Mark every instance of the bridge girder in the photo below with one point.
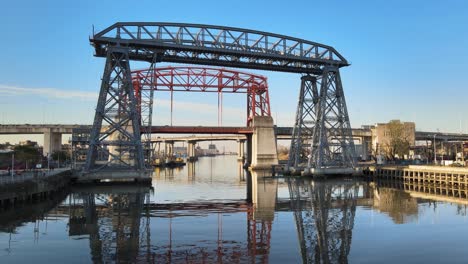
(202, 79)
(217, 46)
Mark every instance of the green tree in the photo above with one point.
(27, 155)
(398, 143)
(60, 155)
(283, 152)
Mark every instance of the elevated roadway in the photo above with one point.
(53, 132)
(198, 138)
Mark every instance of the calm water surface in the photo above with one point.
(203, 213)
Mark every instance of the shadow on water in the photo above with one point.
(29, 212)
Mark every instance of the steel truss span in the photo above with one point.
(202, 79)
(217, 46)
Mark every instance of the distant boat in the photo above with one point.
(178, 162)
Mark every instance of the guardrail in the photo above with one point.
(30, 176)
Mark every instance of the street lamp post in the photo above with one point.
(463, 153)
(12, 164)
(435, 155)
(443, 152)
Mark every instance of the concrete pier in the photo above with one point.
(240, 149)
(52, 142)
(169, 148)
(263, 147)
(191, 155)
(317, 172)
(115, 175)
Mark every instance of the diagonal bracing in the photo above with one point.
(116, 127)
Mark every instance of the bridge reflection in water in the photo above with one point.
(116, 220)
(125, 223)
(324, 214)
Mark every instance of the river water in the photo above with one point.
(212, 211)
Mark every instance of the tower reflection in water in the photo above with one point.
(324, 212)
(115, 220)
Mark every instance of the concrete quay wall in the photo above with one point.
(32, 189)
(450, 176)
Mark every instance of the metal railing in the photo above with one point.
(38, 175)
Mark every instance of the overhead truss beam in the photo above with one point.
(218, 46)
(203, 79)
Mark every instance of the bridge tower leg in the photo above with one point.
(306, 116)
(116, 127)
(332, 150)
(322, 142)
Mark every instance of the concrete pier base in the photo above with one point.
(329, 171)
(295, 171)
(191, 156)
(240, 150)
(264, 152)
(192, 159)
(124, 175)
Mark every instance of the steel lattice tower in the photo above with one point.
(304, 123)
(116, 127)
(322, 132)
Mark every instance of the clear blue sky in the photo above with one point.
(409, 58)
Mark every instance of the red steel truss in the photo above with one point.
(203, 79)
